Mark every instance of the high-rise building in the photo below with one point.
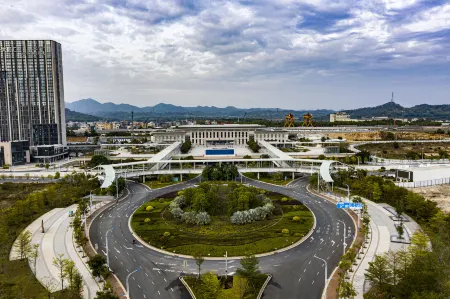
(32, 97)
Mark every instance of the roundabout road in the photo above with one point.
(296, 273)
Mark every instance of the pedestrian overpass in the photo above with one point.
(162, 163)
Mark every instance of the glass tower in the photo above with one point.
(32, 92)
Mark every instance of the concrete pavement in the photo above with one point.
(382, 229)
(58, 240)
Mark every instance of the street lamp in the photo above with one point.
(128, 284)
(343, 239)
(348, 191)
(226, 265)
(326, 271)
(107, 248)
(85, 221)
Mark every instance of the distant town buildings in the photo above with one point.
(339, 116)
(32, 110)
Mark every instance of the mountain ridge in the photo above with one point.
(123, 111)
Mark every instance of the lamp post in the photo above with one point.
(107, 248)
(226, 264)
(318, 179)
(128, 284)
(343, 239)
(348, 191)
(326, 271)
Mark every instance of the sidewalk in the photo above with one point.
(382, 228)
(58, 239)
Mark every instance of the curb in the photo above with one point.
(353, 241)
(269, 277)
(187, 287)
(303, 239)
(90, 242)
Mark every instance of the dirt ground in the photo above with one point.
(77, 139)
(439, 194)
(368, 136)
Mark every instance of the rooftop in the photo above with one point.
(222, 126)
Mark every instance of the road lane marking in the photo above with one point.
(313, 282)
(139, 286)
(317, 273)
(304, 270)
(299, 279)
(159, 293)
(165, 280)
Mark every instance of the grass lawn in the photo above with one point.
(399, 151)
(221, 235)
(237, 291)
(269, 179)
(12, 192)
(155, 184)
(21, 283)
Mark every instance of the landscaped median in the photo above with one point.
(248, 283)
(215, 218)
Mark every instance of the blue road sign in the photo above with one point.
(349, 205)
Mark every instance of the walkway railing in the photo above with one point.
(426, 183)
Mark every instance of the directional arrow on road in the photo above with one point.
(321, 240)
(332, 243)
(128, 248)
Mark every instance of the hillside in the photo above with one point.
(161, 110)
(391, 109)
(81, 117)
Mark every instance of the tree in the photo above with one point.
(420, 242)
(23, 244)
(106, 293)
(57, 175)
(98, 160)
(379, 273)
(186, 147)
(249, 269)
(34, 254)
(47, 166)
(69, 271)
(199, 261)
(210, 286)
(60, 263)
(346, 289)
(77, 284)
(49, 286)
(98, 265)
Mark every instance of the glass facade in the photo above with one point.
(32, 92)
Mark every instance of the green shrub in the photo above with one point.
(166, 234)
(285, 231)
(284, 199)
(147, 220)
(149, 208)
(296, 219)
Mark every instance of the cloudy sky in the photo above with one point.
(251, 53)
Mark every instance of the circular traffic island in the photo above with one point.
(215, 218)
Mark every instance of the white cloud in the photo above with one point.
(135, 50)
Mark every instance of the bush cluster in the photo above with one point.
(190, 217)
(251, 215)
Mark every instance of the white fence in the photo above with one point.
(426, 183)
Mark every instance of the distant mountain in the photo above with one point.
(77, 116)
(391, 109)
(123, 111)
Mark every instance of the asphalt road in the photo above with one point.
(296, 273)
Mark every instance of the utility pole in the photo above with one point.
(132, 125)
(318, 181)
(348, 192)
(117, 190)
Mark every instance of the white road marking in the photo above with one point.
(313, 282)
(165, 280)
(146, 274)
(171, 289)
(139, 286)
(317, 273)
(304, 270)
(299, 279)
(159, 293)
